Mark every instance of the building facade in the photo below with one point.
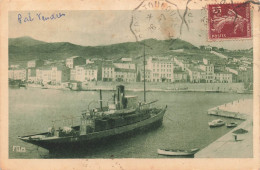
(54, 75)
(125, 75)
(223, 77)
(108, 72)
(83, 73)
(180, 76)
(17, 74)
(161, 69)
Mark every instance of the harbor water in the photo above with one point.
(185, 123)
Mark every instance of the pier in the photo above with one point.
(232, 145)
(235, 109)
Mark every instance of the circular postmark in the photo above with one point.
(157, 19)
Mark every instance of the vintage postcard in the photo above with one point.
(142, 84)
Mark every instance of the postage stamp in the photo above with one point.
(229, 21)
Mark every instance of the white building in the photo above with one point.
(148, 74)
(161, 69)
(125, 65)
(52, 74)
(209, 73)
(194, 74)
(223, 77)
(17, 74)
(125, 75)
(84, 73)
(108, 72)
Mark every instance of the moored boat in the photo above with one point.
(232, 124)
(177, 152)
(216, 123)
(122, 116)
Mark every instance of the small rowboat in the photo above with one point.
(177, 152)
(230, 125)
(216, 123)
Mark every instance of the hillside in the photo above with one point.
(26, 48)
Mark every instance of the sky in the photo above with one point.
(93, 28)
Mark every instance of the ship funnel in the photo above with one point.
(120, 97)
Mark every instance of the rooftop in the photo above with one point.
(222, 72)
(125, 70)
(59, 66)
(195, 69)
(108, 64)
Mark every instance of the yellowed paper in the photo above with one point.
(187, 33)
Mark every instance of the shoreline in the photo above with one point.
(156, 87)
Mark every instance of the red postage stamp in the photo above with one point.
(229, 21)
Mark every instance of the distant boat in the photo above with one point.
(232, 124)
(216, 123)
(177, 152)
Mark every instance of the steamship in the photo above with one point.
(123, 116)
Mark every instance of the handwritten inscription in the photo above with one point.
(38, 16)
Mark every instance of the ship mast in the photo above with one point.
(144, 76)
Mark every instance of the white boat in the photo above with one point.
(232, 124)
(216, 123)
(177, 152)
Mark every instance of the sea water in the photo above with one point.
(185, 123)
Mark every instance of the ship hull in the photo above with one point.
(101, 137)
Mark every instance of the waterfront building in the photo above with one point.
(148, 73)
(31, 74)
(108, 71)
(17, 74)
(83, 73)
(73, 61)
(125, 75)
(180, 76)
(35, 63)
(223, 77)
(245, 76)
(161, 69)
(194, 74)
(125, 65)
(52, 74)
(209, 73)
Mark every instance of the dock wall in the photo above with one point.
(152, 86)
(236, 115)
